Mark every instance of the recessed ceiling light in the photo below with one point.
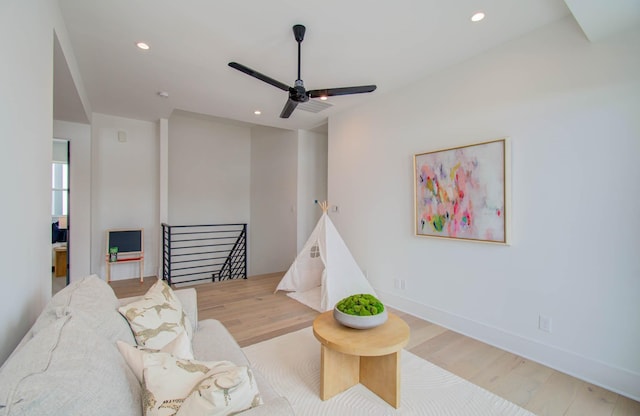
(477, 16)
(142, 45)
(163, 94)
(324, 98)
(257, 112)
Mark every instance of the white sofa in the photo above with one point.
(68, 362)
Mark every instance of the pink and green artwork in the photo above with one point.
(461, 193)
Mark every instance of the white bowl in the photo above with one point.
(360, 322)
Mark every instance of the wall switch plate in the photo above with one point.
(544, 323)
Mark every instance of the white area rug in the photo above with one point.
(291, 363)
(310, 298)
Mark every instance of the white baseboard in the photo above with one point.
(619, 380)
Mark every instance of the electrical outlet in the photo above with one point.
(544, 323)
(399, 283)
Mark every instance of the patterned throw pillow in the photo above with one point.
(158, 318)
(173, 386)
(134, 356)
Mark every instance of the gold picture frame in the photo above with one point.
(463, 192)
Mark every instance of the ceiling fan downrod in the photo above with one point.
(298, 33)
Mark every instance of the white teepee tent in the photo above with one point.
(324, 272)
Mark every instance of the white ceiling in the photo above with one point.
(355, 42)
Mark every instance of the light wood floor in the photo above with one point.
(253, 313)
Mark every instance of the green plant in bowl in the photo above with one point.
(360, 305)
(361, 311)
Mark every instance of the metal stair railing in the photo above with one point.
(195, 253)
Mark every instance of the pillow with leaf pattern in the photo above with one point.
(157, 318)
(174, 386)
(134, 355)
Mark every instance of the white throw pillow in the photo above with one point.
(187, 387)
(158, 318)
(134, 355)
(225, 390)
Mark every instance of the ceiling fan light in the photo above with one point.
(324, 98)
(477, 16)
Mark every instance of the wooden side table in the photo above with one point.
(367, 356)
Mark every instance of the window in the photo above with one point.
(60, 189)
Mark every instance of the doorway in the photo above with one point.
(60, 221)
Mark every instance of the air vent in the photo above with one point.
(314, 106)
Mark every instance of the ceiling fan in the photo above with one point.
(297, 93)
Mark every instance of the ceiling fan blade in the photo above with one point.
(258, 75)
(330, 92)
(289, 106)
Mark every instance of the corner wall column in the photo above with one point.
(164, 181)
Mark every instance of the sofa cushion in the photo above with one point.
(158, 318)
(213, 342)
(189, 387)
(94, 299)
(67, 369)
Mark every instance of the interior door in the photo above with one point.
(60, 219)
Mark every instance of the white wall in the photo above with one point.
(209, 171)
(272, 231)
(312, 181)
(124, 189)
(572, 110)
(26, 116)
(79, 136)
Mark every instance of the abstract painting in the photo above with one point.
(461, 193)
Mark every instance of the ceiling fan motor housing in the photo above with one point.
(298, 93)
